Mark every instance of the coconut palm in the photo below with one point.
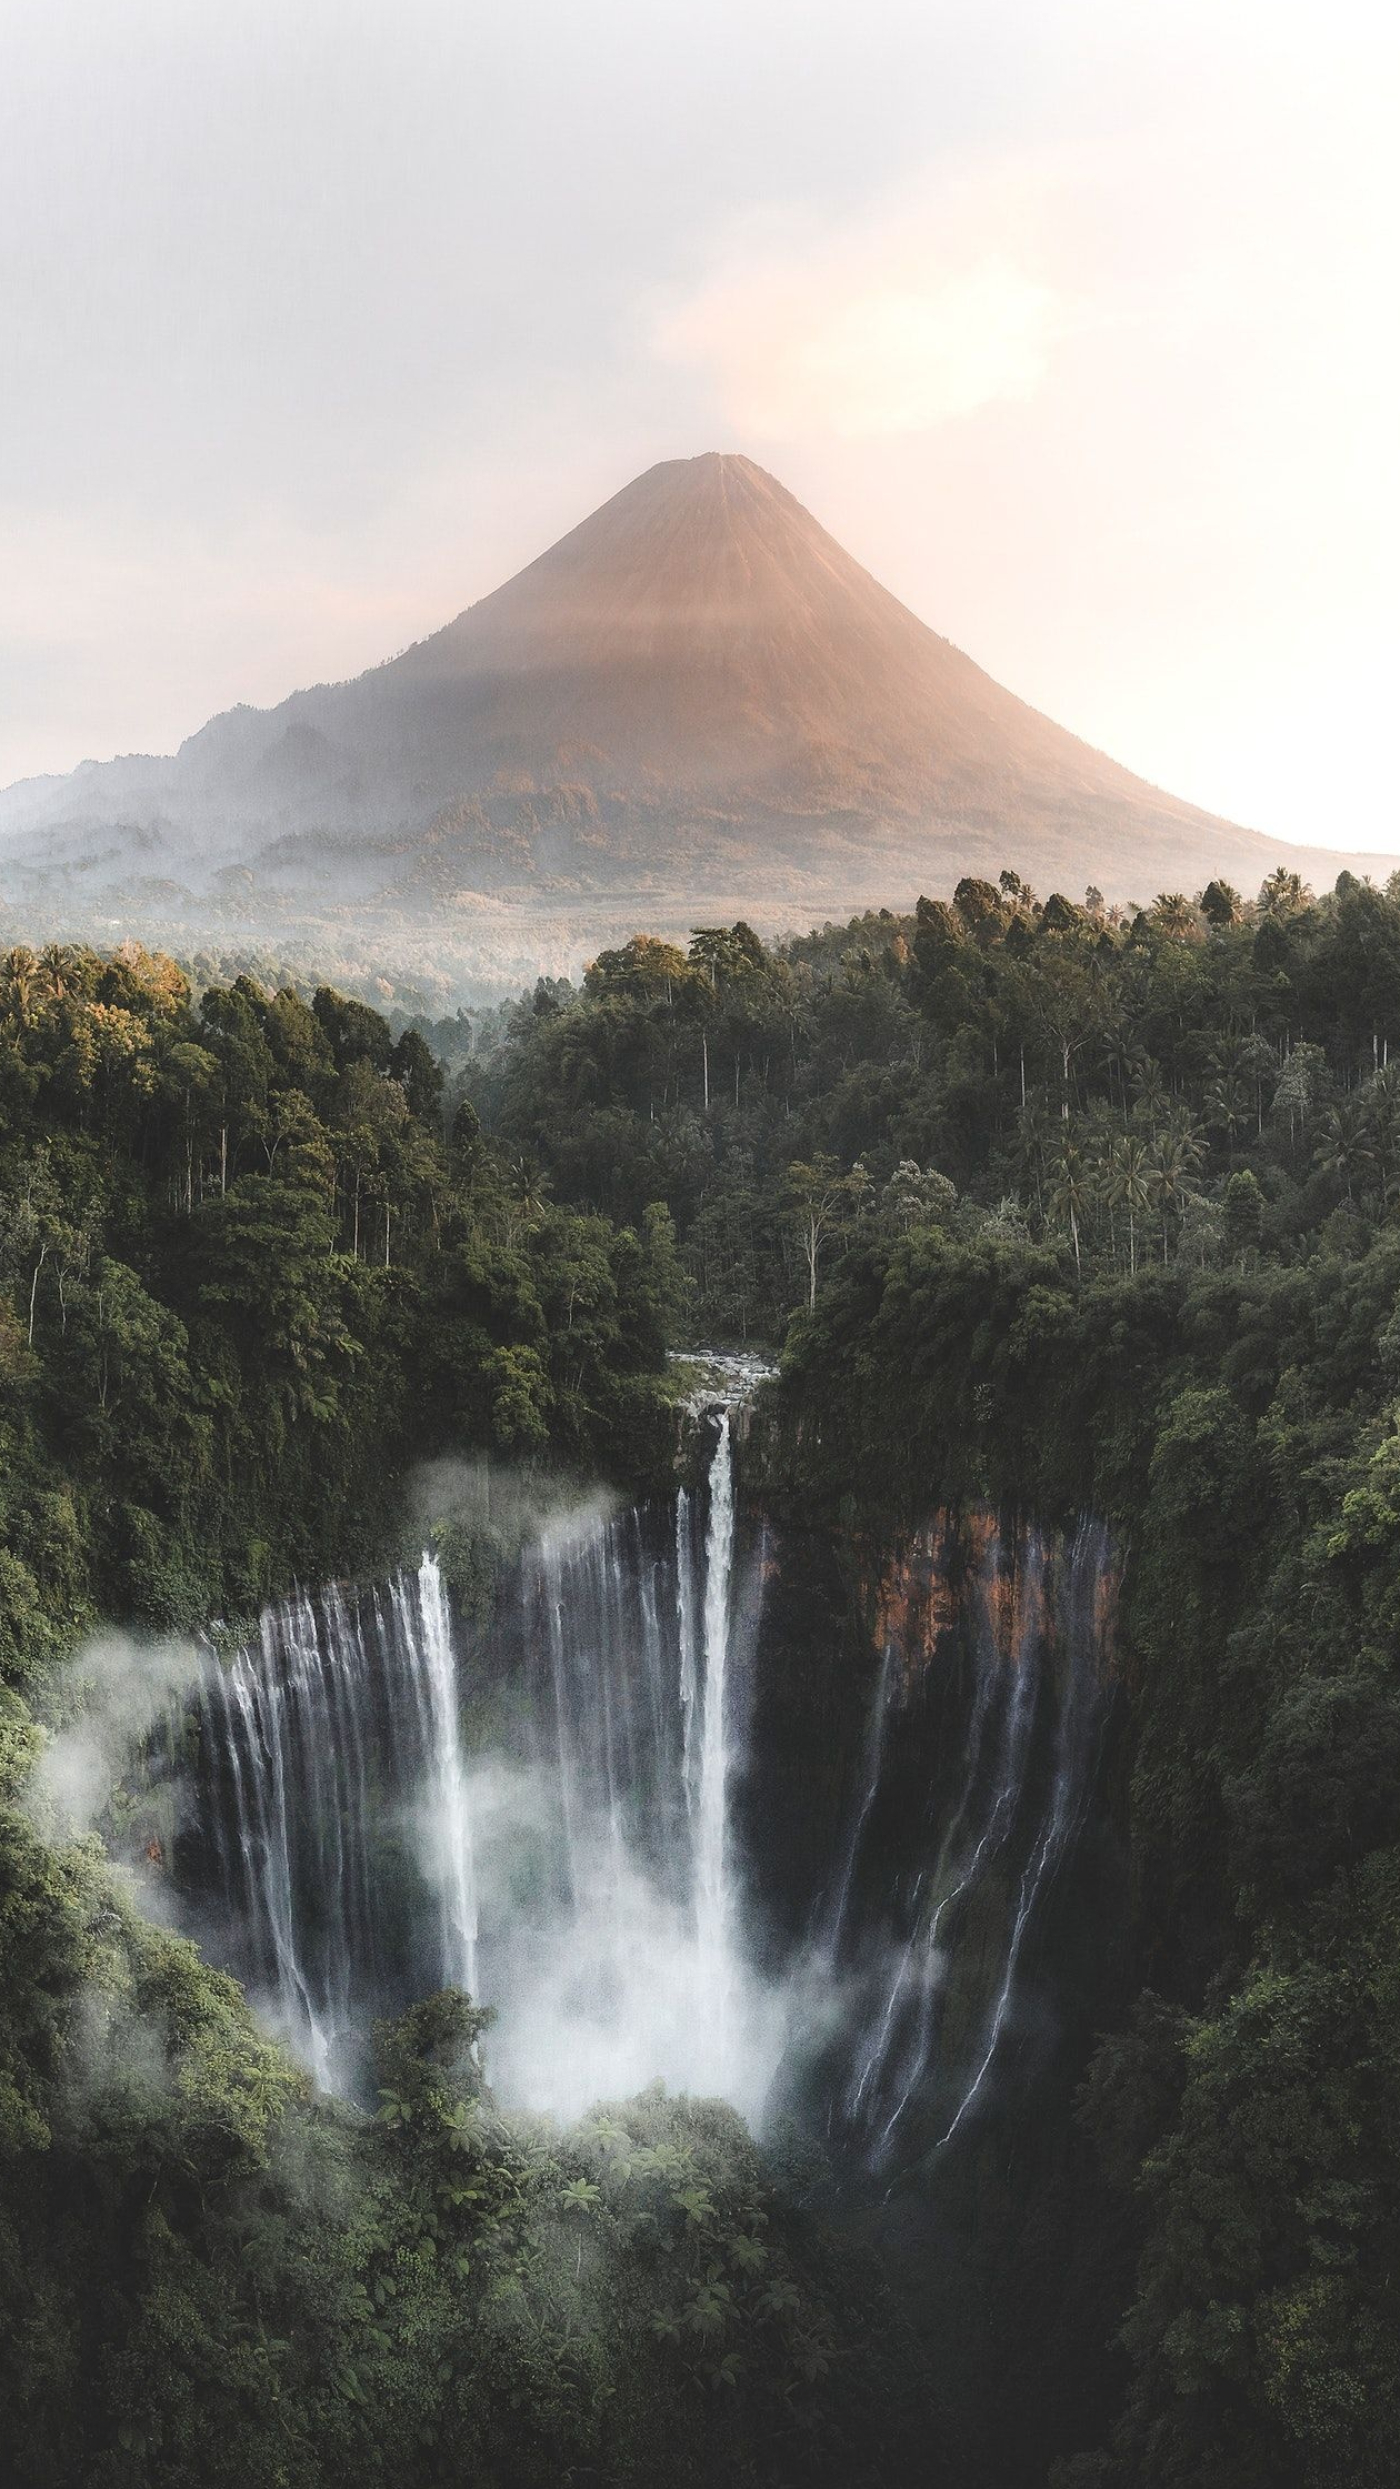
(1130, 1185)
(1174, 1158)
(23, 981)
(1174, 916)
(1228, 1103)
(1071, 1191)
(1379, 1104)
(1346, 1148)
(61, 964)
(1283, 893)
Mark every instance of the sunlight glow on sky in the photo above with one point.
(1073, 321)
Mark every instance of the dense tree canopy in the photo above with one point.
(1079, 1209)
(1185, 1085)
(1061, 1207)
(247, 1274)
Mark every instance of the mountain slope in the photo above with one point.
(696, 692)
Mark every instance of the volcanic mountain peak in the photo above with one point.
(695, 698)
(690, 554)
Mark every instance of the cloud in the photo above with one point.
(918, 314)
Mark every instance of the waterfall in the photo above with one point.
(287, 1727)
(1010, 1817)
(685, 1612)
(625, 1634)
(712, 1877)
(1068, 1795)
(557, 1814)
(426, 1640)
(349, 1847)
(873, 1763)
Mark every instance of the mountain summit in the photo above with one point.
(694, 699)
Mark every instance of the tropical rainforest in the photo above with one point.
(1040, 1205)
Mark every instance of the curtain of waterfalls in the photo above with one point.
(548, 1819)
(356, 1848)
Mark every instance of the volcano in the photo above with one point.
(695, 700)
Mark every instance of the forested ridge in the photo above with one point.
(1056, 1206)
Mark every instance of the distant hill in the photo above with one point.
(695, 701)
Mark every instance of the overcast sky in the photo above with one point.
(1073, 319)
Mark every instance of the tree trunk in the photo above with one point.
(34, 1289)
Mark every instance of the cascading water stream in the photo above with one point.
(927, 1958)
(428, 1646)
(1068, 1795)
(685, 1617)
(835, 1917)
(713, 1895)
(1037, 1675)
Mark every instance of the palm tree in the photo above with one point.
(1071, 1192)
(1130, 1184)
(1173, 1160)
(1227, 1103)
(1379, 1105)
(1029, 1149)
(59, 961)
(527, 1197)
(1284, 893)
(22, 982)
(1345, 1146)
(1149, 1086)
(1174, 916)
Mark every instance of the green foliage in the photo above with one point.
(208, 2274)
(246, 1281)
(1203, 1082)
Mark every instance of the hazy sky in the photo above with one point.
(1075, 320)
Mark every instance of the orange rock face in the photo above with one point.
(920, 1597)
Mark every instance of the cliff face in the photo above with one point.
(918, 1599)
(925, 1798)
(935, 1753)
